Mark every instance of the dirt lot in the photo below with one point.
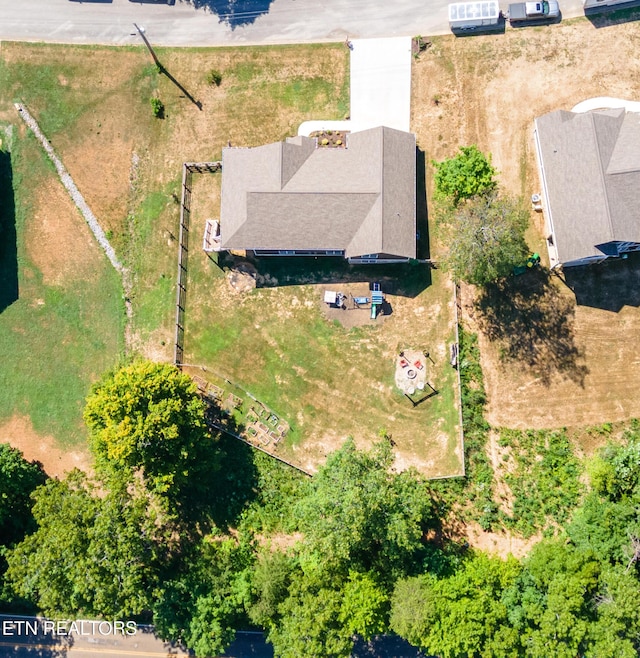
(557, 354)
(19, 433)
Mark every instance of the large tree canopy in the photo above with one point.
(460, 615)
(467, 174)
(486, 239)
(18, 479)
(147, 424)
(357, 514)
(89, 556)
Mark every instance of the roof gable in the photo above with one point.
(591, 165)
(292, 195)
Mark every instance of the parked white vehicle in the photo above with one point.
(480, 15)
(529, 12)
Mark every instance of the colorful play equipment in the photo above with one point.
(376, 299)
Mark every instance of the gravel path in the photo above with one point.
(73, 190)
(89, 217)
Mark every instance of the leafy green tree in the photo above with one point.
(461, 615)
(412, 603)
(203, 604)
(364, 609)
(18, 480)
(486, 239)
(125, 557)
(615, 473)
(310, 620)
(616, 633)
(363, 525)
(270, 580)
(550, 604)
(467, 174)
(50, 566)
(358, 515)
(147, 425)
(604, 527)
(90, 555)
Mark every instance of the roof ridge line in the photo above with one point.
(602, 173)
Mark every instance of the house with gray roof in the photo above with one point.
(294, 198)
(590, 171)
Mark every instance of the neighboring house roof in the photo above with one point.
(591, 169)
(292, 195)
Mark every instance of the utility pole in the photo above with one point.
(148, 45)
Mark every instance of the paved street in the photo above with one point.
(268, 21)
(18, 641)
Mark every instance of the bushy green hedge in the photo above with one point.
(544, 479)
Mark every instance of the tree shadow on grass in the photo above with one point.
(8, 236)
(234, 484)
(533, 324)
(235, 13)
(222, 477)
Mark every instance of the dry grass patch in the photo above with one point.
(571, 360)
(57, 239)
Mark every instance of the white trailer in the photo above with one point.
(481, 15)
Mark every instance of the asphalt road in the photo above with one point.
(29, 637)
(224, 22)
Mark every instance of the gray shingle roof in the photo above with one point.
(290, 195)
(591, 164)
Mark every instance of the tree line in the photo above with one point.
(199, 535)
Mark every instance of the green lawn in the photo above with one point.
(326, 380)
(56, 338)
(93, 104)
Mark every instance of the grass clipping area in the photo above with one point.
(61, 306)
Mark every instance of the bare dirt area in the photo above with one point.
(350, 312)
(564, 363)
(500, 544)
(487, 89)
(58, 240)
(554, 353)
(19, 433)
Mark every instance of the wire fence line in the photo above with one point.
(188, 169)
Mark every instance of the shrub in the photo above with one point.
(465, 175)
(214, 77)
(157, 107)
(325, 142)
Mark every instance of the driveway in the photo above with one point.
(381, 83)
(380, 92)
